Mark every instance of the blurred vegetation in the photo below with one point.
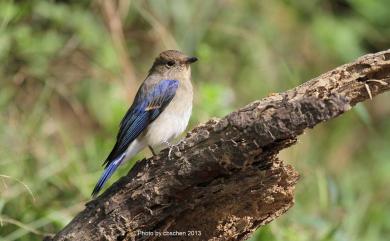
(69, 70)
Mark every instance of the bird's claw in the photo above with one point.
(171, 147)
(170, 153)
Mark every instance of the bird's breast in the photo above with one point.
(172, 121)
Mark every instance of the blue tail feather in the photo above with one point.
(110, 169)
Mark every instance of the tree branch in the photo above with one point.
(225, 179)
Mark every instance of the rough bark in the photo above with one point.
(224, 178)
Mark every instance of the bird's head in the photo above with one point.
(173, 64)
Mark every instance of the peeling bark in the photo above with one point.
(225, 179)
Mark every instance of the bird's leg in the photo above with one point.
(151, 149)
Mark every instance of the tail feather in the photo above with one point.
(108, 171)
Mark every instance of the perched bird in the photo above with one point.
(159, 113)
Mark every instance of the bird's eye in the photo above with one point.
(170, 63)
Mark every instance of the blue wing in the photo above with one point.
(148, 105)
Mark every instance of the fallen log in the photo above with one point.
(225, 179)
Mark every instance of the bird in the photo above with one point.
(159, 113)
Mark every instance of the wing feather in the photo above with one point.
(148, 105)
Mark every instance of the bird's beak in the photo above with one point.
(191, 60)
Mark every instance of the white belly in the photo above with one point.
(167, 126)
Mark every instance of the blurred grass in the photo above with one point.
(63, 93)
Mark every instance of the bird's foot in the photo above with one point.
(171, 147)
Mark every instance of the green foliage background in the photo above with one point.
(65, 85)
